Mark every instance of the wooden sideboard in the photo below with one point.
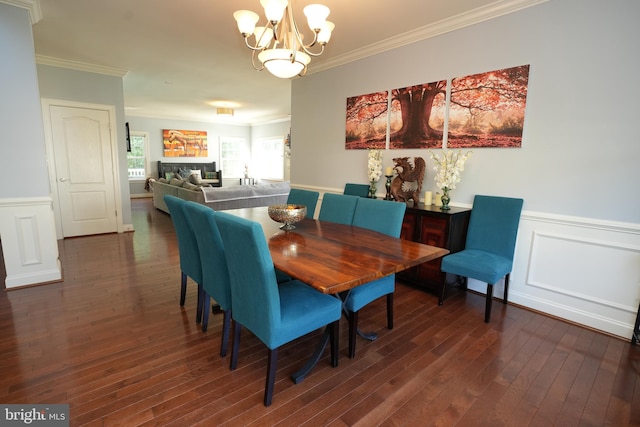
(432, 226)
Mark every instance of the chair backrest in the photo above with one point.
(187, 245)
(215, 274)
(255, 298)
(338, 208)
(382, 216)
(304, 197)
(493, 226)
(360, 190)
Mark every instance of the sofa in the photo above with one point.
(207, 172)
(219, 198)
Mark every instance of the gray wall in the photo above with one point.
(23, 147)
(79, 86)
(581, 140)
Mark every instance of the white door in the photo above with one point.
(84, 170)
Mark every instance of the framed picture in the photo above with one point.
(185, 143)
(487, 109)
(366, 126)
(417, 116)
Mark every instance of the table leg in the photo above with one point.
(299, 375)
(370, 336)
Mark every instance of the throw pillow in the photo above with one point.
(195, 178)
(184, 173)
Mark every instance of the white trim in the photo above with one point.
(484, 13)
(27, 235)
(33, 6)
(80, 66)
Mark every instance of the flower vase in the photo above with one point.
(372, 190)
(445, 199)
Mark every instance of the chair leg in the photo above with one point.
(352, 316)
(487, 307)
(226, 320)
(183, 288)
(271, 376)
(234, 346)
(390, 311)
(506, 288)
(204, 310)
(200, 303)
(334, 333)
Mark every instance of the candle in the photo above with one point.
(438, 199)
(428, 198)
(389, 171)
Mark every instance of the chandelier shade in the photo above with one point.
(278, 45)
(283, 63)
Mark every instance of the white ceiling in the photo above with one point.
(179, 58)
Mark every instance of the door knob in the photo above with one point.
(64, 179)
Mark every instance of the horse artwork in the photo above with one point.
(407, 185)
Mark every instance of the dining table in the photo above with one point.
(334, 258)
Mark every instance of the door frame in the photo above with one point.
(47, 103)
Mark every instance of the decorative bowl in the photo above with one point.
(287, 215)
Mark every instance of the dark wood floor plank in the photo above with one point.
(112, 341)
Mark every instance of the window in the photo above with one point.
(137, 163)
(269, 155)
(233, 157)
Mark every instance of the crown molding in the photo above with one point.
(493, 10)
(33, 6)
(79, 66)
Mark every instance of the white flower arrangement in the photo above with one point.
(374, 165)
(449, 165)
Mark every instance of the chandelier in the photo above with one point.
(279, 44)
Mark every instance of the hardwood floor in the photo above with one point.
(112, 341)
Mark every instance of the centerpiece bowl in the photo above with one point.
(287, 215)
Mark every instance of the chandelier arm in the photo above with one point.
(253, 61)
(299, 38)
(308, 52)
(253, 48)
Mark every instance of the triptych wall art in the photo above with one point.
(185, 143)
(475, 111)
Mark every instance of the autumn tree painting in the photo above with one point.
(417, 116)
(367, 121)
(487, 110)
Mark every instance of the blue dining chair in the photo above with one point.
(190, 265)
(338, 208)
(384, 217)
(304, 197)
(490, 245)
(215, 275)
(360, 190)
(275, 313)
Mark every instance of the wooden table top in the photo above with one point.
(333, 257)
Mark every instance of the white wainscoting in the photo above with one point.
(580, 269)
(29, 245)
